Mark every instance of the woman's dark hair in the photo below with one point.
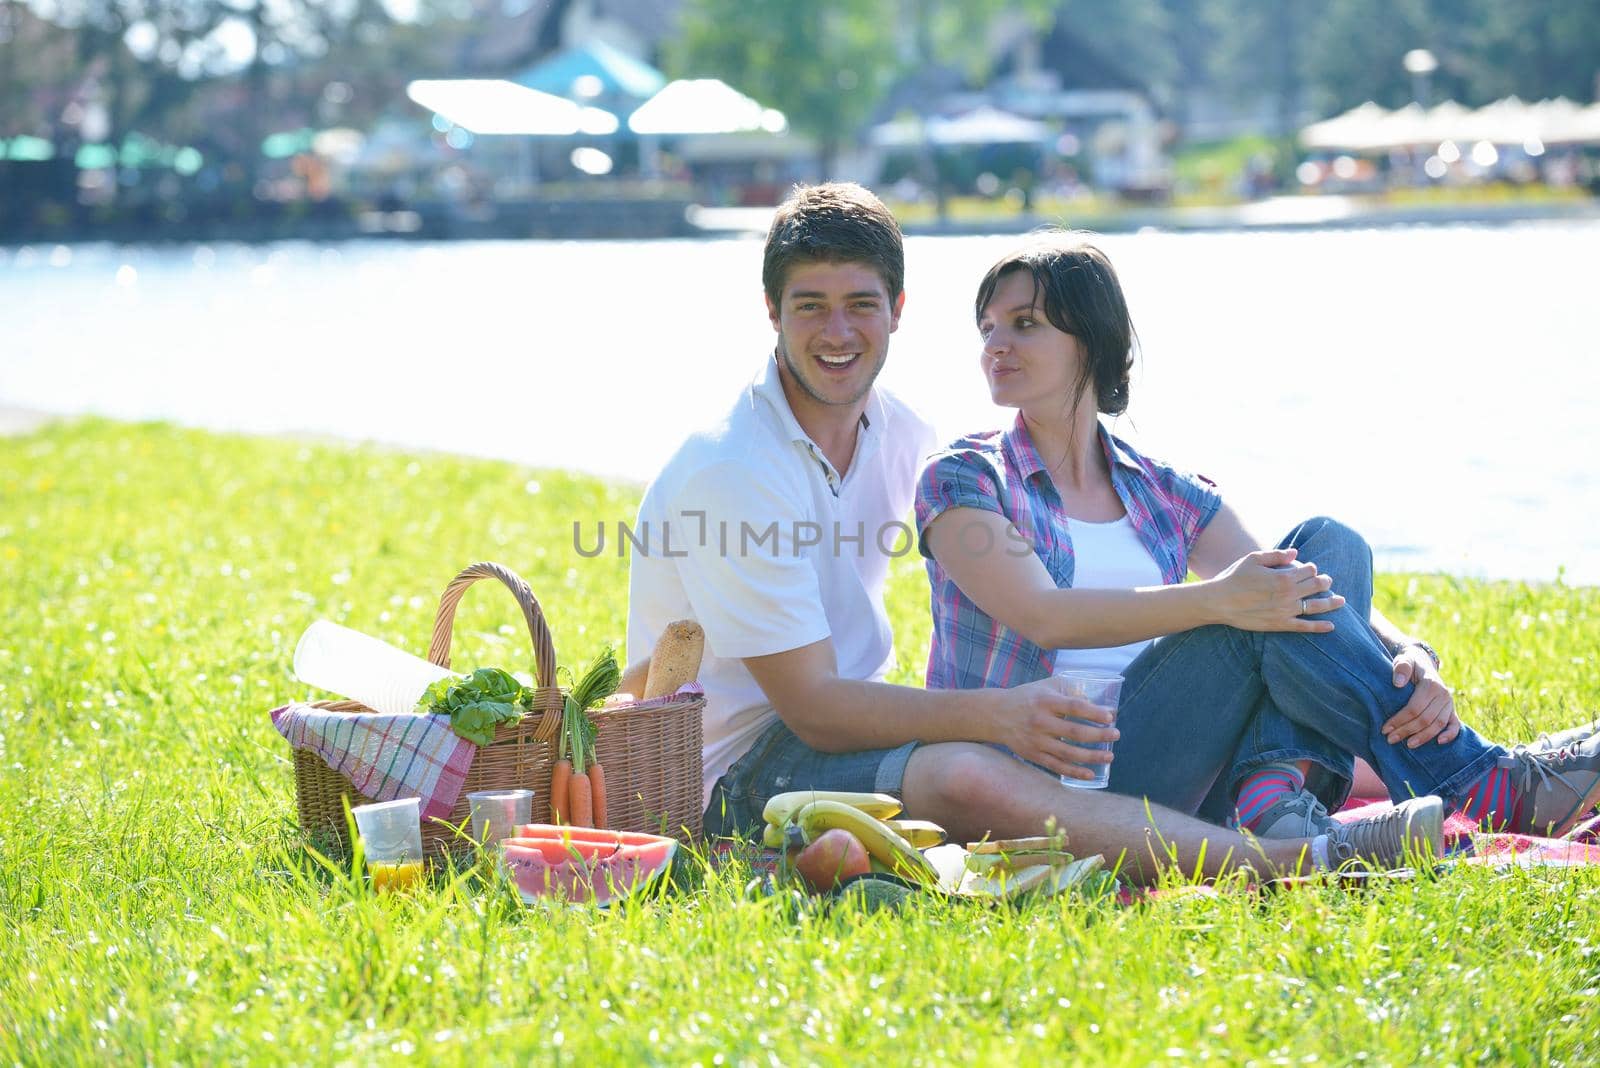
(837, 222)
(1078, 288)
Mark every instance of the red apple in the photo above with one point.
(836, 855)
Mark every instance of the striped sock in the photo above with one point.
(1262, 788)
(1491, 801)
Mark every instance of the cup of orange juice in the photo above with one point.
(391, 838)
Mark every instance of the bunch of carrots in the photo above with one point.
(578, 782)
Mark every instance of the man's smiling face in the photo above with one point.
(833, 325)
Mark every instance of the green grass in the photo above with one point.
(159, 907)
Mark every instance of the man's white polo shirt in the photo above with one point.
(751, 532)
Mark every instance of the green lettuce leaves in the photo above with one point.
(479, 703)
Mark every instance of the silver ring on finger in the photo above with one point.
(1302, 606)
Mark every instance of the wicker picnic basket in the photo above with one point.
(651, 756)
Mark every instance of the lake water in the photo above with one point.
(1435, 387)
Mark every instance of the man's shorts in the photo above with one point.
(779, 762)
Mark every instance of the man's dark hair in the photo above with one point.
(838, 222)
(1078, 288)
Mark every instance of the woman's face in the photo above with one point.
(1028, 362)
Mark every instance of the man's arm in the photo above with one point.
(834, 714)
(1431, 712)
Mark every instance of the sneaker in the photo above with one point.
(1554, 789)
(1294, 815)
(1413, 828)
(1549, 743)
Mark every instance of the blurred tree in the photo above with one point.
(1136, 35)
(1350, 51)
(1533, 49)
(1261, 50)
(29, 49)
(1373, 36)
(224, 73)
(827, 64)
(1191, 39)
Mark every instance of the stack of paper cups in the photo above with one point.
(362, 668)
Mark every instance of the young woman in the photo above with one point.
(1248, 694)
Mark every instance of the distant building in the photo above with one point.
(1106, 122)
(511, 35)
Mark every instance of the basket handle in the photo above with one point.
(544, 649)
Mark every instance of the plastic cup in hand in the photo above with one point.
(496, 814)
(391, 838)
(1103, 688)
(362, 668)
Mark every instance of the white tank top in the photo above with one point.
(1107, 556)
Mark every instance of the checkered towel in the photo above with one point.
(385, 757)
(1463, 842)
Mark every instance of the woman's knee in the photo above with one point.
(1331, 544)
(1323, 528)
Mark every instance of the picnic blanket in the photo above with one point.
(1464, 843)
(385, 756)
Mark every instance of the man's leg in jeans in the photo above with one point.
(973, 790)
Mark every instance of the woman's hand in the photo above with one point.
(1041, 724)
(1431, 712)
(1269, 591)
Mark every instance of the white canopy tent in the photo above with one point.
(488, 107)
(504, 109)
(709, 120)
(1355, 128)
(981, 126)
(1371, 128)
(704, 106)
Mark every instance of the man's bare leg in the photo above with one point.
(972, 790)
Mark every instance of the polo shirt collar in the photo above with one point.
(768, 387)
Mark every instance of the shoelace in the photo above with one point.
(1546, 766)
(1307, 805)
(1362, 838)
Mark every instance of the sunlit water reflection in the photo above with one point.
(1434, 387)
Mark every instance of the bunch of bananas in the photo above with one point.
(796, 819)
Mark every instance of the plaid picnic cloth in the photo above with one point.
(385, 757)
(1466, 844)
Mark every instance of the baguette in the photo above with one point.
(633, 679)
(676, 659)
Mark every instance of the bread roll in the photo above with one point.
(676, 659)
(633, 679)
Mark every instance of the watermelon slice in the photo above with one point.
(584, 834)
(584, 865)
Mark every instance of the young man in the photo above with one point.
(774, 530)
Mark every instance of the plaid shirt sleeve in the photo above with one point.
(958, 479)
(1193, 499)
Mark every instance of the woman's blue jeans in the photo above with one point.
(1202, 709)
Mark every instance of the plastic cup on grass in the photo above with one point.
(391, 838)
(496, 814)
(1103, 688)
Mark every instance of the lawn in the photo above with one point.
(155, 580)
